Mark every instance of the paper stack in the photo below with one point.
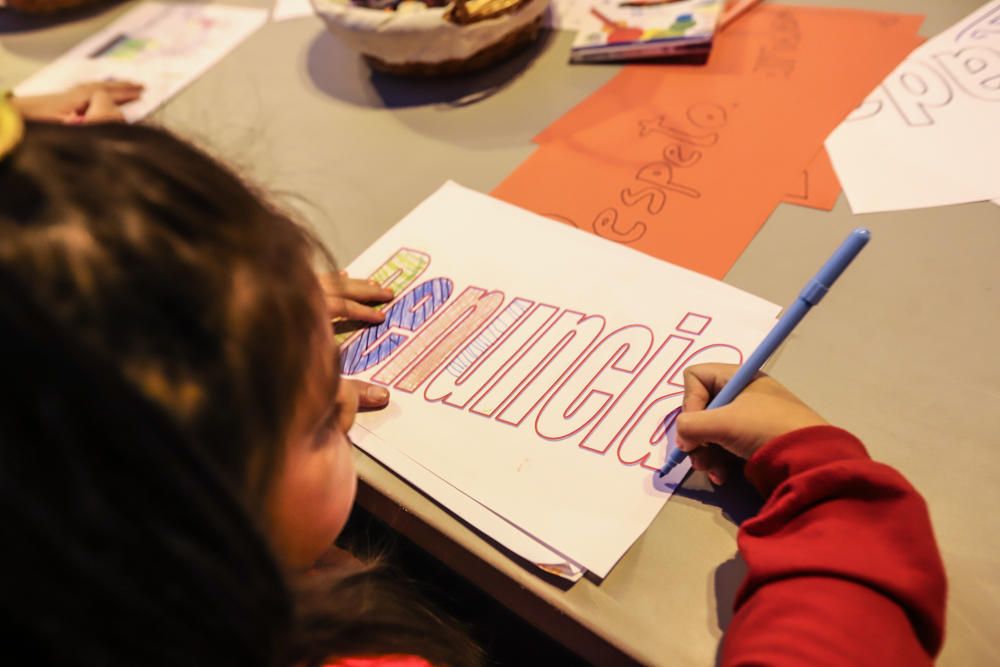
(534, 372)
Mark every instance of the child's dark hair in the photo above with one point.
(157, 319)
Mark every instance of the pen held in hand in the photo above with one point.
(810, 295)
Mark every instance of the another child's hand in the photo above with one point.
(95, 102)
(346, 298)
(762, 411)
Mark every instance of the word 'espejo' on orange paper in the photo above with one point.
(686, 163)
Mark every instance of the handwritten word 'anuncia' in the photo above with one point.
(568, 375)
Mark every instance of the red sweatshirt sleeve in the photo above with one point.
(842, 564)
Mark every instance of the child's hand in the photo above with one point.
(370, 396)
(346, 297)
(345, 300)
(762, 411)
(357, 395)
(95, 102)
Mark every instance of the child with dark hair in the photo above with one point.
(172, 436)
(173, 453)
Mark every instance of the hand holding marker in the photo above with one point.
(810, 295)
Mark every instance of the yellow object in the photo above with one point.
(11, 127)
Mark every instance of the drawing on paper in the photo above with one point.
(922, 85)
(528, 397)
(172, 32)
(164, 46)
(557, 372)
(982, 27)
(925, 136)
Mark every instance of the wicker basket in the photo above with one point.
(48, 6)
(464, 36)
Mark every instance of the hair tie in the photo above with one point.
(11, 127)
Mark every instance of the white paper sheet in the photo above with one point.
(163, 46)
(291, 9)
(467, 509)
(929, 135)
(540, 367)
(567, 14)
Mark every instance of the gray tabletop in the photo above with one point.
(900, 353)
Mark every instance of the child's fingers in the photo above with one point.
(365, 291)
(355, 395)
(714, 461)
(329, 281)
(696, 394)
(371, 396)
(703, 381)
(701, 458)
(123, 91)
(358, 395)
(352, 310)
(346, 297)
(102, 109)
(702, 427)
(718, 475)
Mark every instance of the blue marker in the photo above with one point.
(810, 295)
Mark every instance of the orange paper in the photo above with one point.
(817, 185)
(685, 163)
(767, 44)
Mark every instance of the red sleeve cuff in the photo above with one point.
(798, 451)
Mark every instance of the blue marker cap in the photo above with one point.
(817, 288)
